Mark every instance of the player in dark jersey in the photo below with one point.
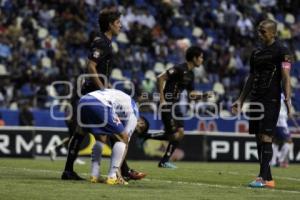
(99, 66)
(269, 73)
(171, 83)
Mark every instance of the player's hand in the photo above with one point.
(162, 101)
(236, 107)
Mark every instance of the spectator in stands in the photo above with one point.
(31, 31)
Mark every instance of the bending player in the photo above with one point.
(110, 113)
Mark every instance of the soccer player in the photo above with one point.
(112, 113)
(99, 67)
(171, 83)
(282, 138)
(270, 66)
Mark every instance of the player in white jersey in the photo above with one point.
(282, 138)
(109, 113)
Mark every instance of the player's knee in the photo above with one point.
(123, 137)
(266, 138)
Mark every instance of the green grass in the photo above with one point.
(40, 179)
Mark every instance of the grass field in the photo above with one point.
(40, 179)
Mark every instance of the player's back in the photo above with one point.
(121, 102)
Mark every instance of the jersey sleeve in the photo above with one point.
(97, 50)
(285, 58)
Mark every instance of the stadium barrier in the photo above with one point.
(196, 146)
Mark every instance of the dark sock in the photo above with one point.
(259, 145)
(125, 168)
(269, 175)
(169, 151)
(73, 150)
(267, 153)
(259, 152)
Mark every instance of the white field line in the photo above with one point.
(254, 175)
(220, 186)
(165, 181)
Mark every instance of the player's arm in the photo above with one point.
(245, 91)
(162, 78)
(235, 108)
(92, 70)
(286, 82)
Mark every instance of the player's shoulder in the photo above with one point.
(180, 67)
(100, 41)
(281, 46)
(284, 52)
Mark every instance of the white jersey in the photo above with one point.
(122, 104)
(283, 116)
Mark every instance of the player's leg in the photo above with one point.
(96, 158)
(119, 151)
(284, 152)
(126, 171)
(267, 154)
(266, 126)
(73, 150)
(276, 152)
(174, 131)
(91, 114)
(173, 144)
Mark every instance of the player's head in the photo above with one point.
(194, 55)
(267, 30)
(142, 126)
(109, 20)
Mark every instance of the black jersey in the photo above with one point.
(101, 53)
(179, 78)
(265, 65)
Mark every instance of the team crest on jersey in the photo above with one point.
(171, 71)
(96, 53)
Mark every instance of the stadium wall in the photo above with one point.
(196, 146)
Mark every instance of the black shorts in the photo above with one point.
(266, 124)
(171, 122)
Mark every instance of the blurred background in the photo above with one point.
(46, 41)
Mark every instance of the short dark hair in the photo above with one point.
(193, 52)
(107, 16)
(270, 23)
(147, 125)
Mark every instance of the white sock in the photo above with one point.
(96, 158)
(275, 154)
(284, 152)
(291, 151)
(118, 152)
